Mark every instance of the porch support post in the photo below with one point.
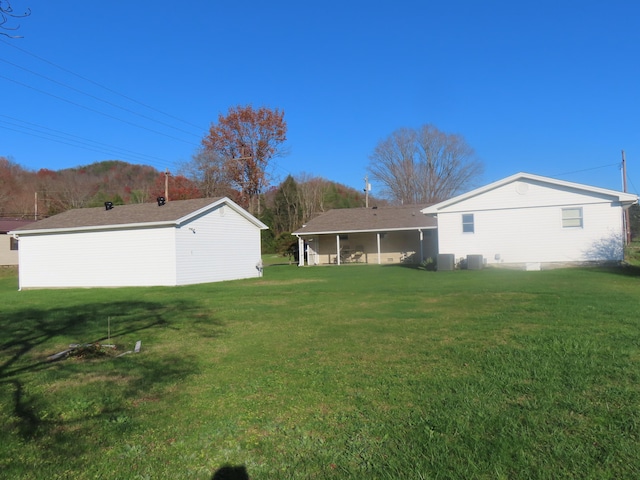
(338, 249)
(301, 252)
(421, 246)
(378, 240)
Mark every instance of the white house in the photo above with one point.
(532, 221)
(173, 243)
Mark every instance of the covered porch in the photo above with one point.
(375, 236)
(373, 247)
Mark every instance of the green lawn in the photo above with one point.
(352, 372)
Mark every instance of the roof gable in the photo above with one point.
(133, 215)
(523, 180)
(346, 220)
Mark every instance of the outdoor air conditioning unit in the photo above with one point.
(446, 261)
(475, 262)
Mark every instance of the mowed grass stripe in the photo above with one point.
(329, 372)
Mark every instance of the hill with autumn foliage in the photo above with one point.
(38, 194)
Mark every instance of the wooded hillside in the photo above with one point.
(39, 194)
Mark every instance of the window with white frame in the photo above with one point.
(572, 217)
(467, 223)
(13, 244)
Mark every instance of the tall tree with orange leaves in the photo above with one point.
(247, 139)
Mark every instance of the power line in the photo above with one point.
(85, 147)
(59, 136)
(98, 98)
(98, 112)
(80, 142)
(100, 85)
(84, 143)
(586, 169)
(617, 164)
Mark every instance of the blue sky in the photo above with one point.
(545, 87)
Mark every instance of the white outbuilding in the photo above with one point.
(151, 244)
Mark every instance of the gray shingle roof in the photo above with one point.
(406, 217)
(8, 224)
(138, 213)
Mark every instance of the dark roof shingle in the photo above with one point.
(406, 217)
(8, 224)
(139, 213)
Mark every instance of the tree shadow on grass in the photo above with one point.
(629, 270)
(624, 269)
(231, 472)
(32, 384)
(604, 254)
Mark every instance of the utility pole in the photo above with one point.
(166, 185)
(627, 219)
(367, 188)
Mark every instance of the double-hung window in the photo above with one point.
(467, 223)
(572, 217)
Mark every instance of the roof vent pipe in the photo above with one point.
(161, 201)
(108, 205)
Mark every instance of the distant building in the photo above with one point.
(8, 244)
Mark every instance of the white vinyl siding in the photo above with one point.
(132, 257)
(540, 194)
(522, 225)
(219, 242)
(217, 246)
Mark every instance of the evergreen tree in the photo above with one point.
(286, 210)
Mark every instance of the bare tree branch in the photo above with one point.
(6, 12)
(425, 165)
(312, 190)
(209, 171)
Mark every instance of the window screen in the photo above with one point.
(572, 218)
(467, 223)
